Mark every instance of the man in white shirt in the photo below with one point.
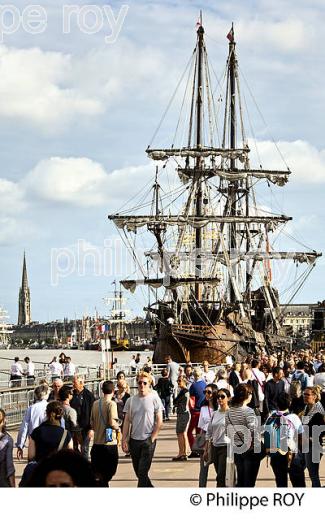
(172, 368)
(133, 365)
(69, 370)
(56, 368)
(207, 375)
(259, 376)
(16, 373)
(143, 417)
(30, 371)
(34, 416)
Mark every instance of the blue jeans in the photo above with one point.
(85, 448)
(166, 404)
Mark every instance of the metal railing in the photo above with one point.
(87, 372)
(15, 401)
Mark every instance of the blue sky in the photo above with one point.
(77, 113)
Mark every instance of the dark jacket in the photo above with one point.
(82, 402)
(164, 387)
(233, 379)
(272, 391)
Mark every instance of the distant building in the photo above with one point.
(318, 324)
(298, 318)
(24, 315)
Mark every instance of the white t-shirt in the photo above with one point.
(319, 379)
(30, 368)
(142, 414)
(222, 383)
(69, 369)
(217, 429)
(56, 368)
(16, 369)
(208, 377)
(205, 417)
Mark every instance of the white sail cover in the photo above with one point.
(164, 154)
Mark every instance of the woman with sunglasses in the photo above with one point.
(181, 402)
(313, 416)
(208, 407)
(216, 433)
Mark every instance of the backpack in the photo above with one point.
(276, 433)
(301, 378)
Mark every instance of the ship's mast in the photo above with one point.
(233, 186)
(199, 125)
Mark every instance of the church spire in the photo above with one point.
(24, 316)
(24, 279)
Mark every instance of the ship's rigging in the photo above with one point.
(211, 263)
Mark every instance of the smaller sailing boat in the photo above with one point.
(117, 319)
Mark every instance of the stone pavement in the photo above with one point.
(166, 473)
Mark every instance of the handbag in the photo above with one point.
(208, 454)
(199, 442)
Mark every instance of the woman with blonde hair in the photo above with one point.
(7, 468)
(221, 380)
(313, 416)
(297, 401)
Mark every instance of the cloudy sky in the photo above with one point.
(80, 101)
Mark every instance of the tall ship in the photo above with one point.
(5, 329)
(202, 243)
(117, 319)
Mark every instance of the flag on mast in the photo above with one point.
(231, 35)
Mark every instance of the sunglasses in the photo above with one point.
(208, 392)
(221, 396)
(142, 382)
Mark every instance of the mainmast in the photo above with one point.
(233, 186)
(199, 125)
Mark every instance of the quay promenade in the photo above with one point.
(165, 473)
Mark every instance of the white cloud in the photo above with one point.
(12, 198)
(34, 88)
(82, 182)
(288, 35)
(76, 181)
(305, 161)
(15, 230)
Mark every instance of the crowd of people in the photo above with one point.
(272, 406)
(228, 418)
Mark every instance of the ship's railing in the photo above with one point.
(191, 328)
